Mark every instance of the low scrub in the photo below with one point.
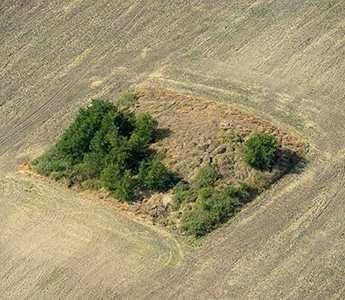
(212, 208)
(109, 146)
(207, 176)
(204, 206)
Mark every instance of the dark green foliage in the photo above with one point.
(260, 151)
(212, 208)
(207, 176)
(120, 184)
(153, 175)
(125, 187)
(107, 145)
(75, 141)
(145, 127)
(139, 149)
(110, 177)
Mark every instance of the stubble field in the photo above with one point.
(283, 60)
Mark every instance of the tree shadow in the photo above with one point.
(162, 133)
(289, 161)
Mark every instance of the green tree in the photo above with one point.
(125, 187)
(106, 145)
(154, 175)
(183, 193)
(145, 127)
(110, 177)
(121, 184)
(260, 151)
(75, 141)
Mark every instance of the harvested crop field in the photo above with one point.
(281, 60)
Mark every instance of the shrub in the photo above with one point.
(145, 127)
(213, 208)
(127, 99)
(139, 150)
(241, 192)
(75, 141)
(207, 176)
(260, 151)
(94, 163)
(197, 222)
(110, 176)
(91, 184)
(125, 187)
(50, 162)
(153, 175)
(121, 185)
(182, 193)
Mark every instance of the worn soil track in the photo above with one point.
(284, 60)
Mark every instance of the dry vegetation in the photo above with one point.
(197, 132)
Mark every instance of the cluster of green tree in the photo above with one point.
(205, 207)
(108, 146)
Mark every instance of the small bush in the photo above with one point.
(197, 222)
(110, 176)
(145, 127)
(182, 193)
(213, 208)
(139, 150)
(125, 187)
(153, 175)
(75, 141)
(127, 99)
(207, 176)
(50, 162)
(260, 151)
(241, 192)
(91, 184)
(120, 184)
